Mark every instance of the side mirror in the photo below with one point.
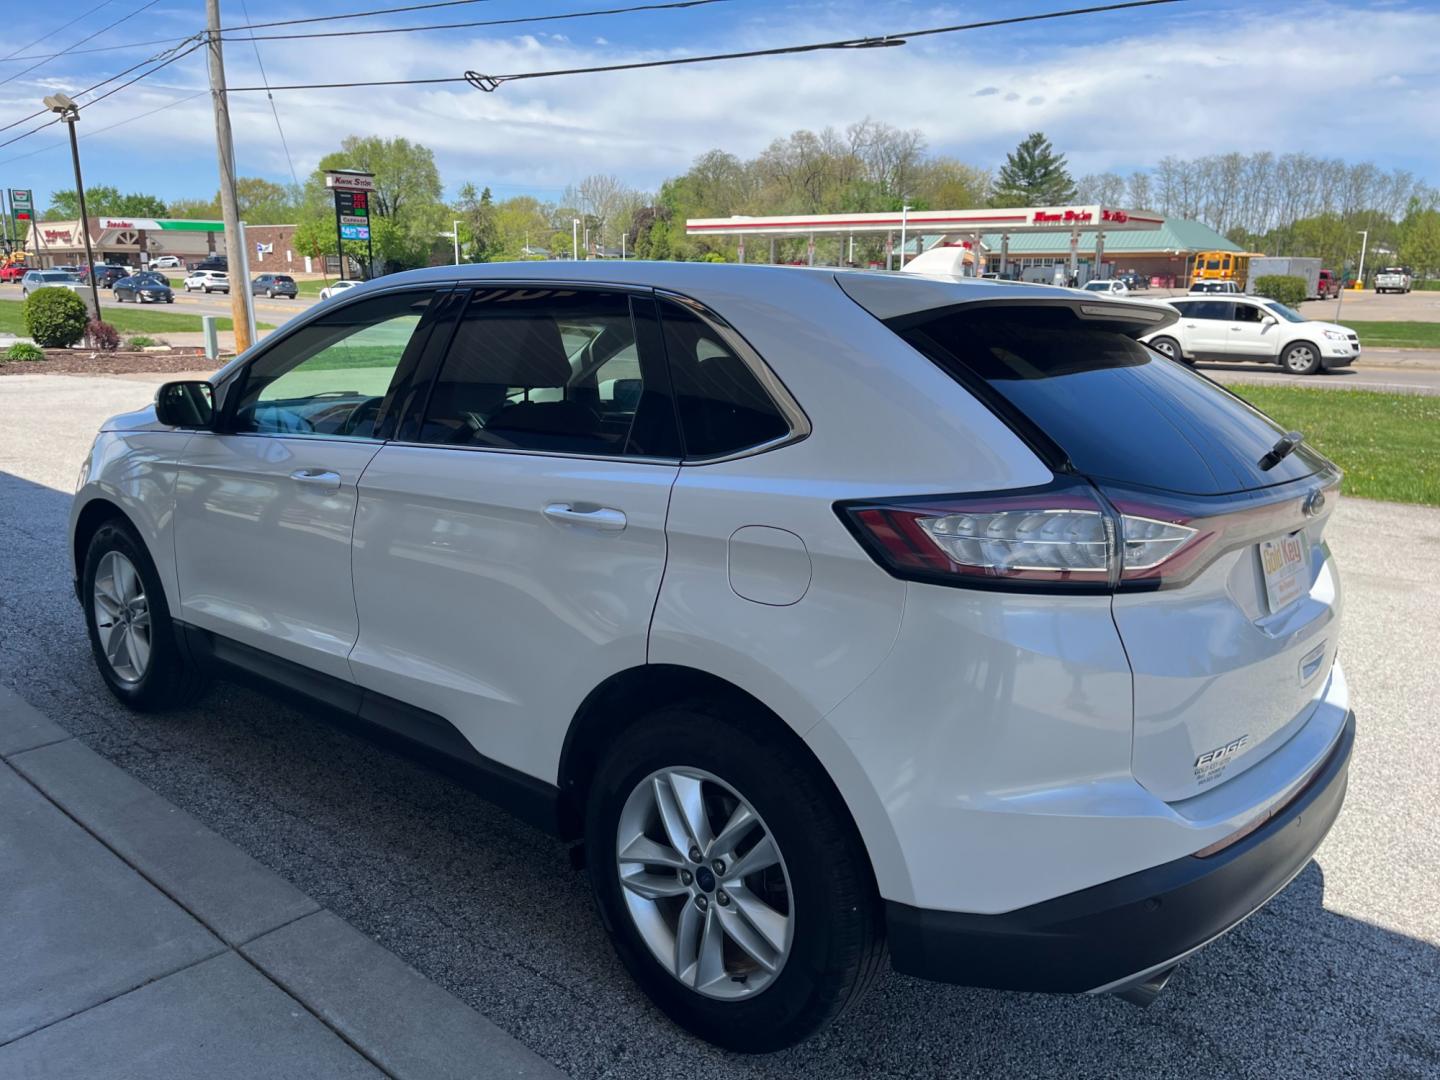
(1269, 320)
(188, 404)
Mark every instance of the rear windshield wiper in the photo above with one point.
(1288, 444)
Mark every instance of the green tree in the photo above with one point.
(479, 235)
(260, 201)
(104, 201)
(1420, 241)
(1033, 175)
(407, 213)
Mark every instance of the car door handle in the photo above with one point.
(320, 478)
(604, 518)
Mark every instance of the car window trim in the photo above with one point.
(772, 385)
(234, 381)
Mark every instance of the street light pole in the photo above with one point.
(69, 112)
(574, 239)
(456, 234)
(1364, 242)
(904, 221)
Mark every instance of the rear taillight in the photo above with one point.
(1065, 536)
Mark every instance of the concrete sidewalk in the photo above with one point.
(136, 944)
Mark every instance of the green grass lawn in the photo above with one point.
(1396, 335)
(1388, 444)
(149, 319)
(312, 288)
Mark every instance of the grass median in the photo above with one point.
(128, 320)
(1388, 444)
(1395, 335)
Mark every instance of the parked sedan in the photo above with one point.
(1028, 678)
(45, 279)
(273, 285)
(144, 288)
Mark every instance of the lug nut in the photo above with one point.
(686, 877)
(701, 902)
(721, 898)
(718, 866)
(695, 855)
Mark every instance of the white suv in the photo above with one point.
(1235, 329)
(208, 281)
(835, 612)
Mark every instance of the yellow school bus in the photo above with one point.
(1222, 266)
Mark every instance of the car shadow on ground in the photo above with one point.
(492, 910)
(1274, 369)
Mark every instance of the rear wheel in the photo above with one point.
(1302, 358)
(270, 294)
(1168, 346)
(733, 885)
(131, 633)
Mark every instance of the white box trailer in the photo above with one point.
(1309, 269)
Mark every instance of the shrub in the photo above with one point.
(138, 342)
(1286, 288)
(55, 318)
(23, 350)
(102, 335)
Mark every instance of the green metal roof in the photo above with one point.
(1177, 234)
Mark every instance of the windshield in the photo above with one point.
(1098, 286)
(1288, 314)
(1117, 410)
(56, 275)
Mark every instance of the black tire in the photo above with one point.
(1294, 359)
(171, 678)
(270, 294)
(839, 943)
(1168, 346)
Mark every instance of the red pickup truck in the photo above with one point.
(1328, 286)
(13, 273)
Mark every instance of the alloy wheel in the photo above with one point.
(1300, 359)
(705, 883)
(122, 617)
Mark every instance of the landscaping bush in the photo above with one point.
(23, 350)
(102, 335)
(138, 342)
(55, 318)
(1286, 288)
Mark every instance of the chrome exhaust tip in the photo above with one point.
(1144, 993)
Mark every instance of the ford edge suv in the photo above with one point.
(839, 614)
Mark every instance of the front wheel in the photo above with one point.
(1302, 358)
(270, 294)
(131, 633)
(730, 878)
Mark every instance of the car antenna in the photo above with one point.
(1287, 445)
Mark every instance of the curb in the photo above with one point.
(397, 1019)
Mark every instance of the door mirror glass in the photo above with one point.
(189, 404)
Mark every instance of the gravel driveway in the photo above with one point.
(1339, 976)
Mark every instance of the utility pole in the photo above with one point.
(240, 298)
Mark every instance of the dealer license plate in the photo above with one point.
(1285, 567)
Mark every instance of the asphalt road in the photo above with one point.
(1339, 976)
(1365, 376)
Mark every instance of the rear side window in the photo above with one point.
(1115, 409)
(723, 408)
(1216, 310)
(544, 369)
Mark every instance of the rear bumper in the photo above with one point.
(1104, 937)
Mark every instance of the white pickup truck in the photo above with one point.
(1393, 279)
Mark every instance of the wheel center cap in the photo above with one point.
(705, 879)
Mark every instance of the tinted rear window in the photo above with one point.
(1116, 409)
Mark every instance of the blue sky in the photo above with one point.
(1357, 80)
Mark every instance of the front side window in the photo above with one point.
(1248, 313)
(541, 368)
(330, 377)
(722, 406)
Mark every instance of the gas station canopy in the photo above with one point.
(1064, 219)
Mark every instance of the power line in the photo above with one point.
(52, 33)
(112, 78)
(491, 82)
(485, 22)
(108, 127)
(88, 37)
(353, 15)
(91, 52)
(245, 7)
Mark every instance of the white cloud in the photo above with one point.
(1332, 80)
